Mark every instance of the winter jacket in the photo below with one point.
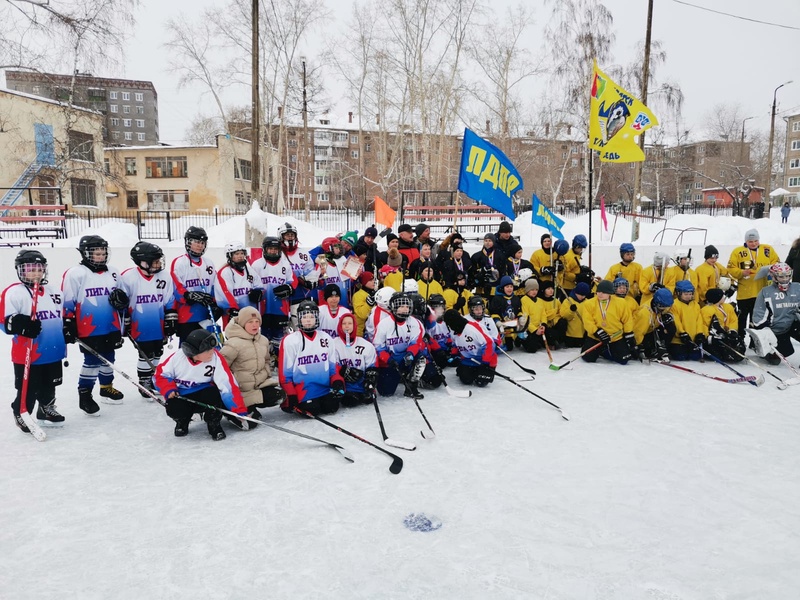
(248, 357)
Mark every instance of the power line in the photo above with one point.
(719, 12)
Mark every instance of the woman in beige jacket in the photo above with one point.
(247, 354)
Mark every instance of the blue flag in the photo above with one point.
(542, 216)
(487, 175)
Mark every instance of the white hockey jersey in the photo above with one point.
(233, 286)
(359, 354)
(376, 315)
(307, 365)
(150, 296)
(189, 275)
(302, 265)
(86, 299)
(488, 326)
(474, 344)
(393, 340)
(328, 322)
(273, 275)
(48, 346)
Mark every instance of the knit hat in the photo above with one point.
(504, 281)
(366, 277)
(360, 249)
(714, 295)
(751, 235)
(420, 229)
(604, 287)
(395, 258)
(531, 284)
(390, 237)
(331, 290)
(488, 236)
(405, 227)
(505, 227)
(513, 248)
(710, 252)
(545, 236)
(456, 246)
(350, 237)
(583, 289)
(247, 313)
(371, 232)
(547, 284)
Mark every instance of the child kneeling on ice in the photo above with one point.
(356, 357)
(247, 354)
(198, 373)
(476, 348)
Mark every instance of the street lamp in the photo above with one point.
(769, 150)
(741, 145)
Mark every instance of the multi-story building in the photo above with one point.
(53, 145)
(791, 164)
(129, 108)
(181, 178)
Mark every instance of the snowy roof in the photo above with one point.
(49, 101)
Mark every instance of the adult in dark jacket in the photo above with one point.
(503, 240)
(793, 260)
(444, 253)
(425, 260)
(392, 241)
(407, 245)
(368, 240)
(486, 267)
(459, 263)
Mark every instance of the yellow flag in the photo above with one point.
(615, 120)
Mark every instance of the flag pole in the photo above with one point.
(589, 200)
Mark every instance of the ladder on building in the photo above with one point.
(12, 196)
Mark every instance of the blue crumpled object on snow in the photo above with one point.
(420, 522)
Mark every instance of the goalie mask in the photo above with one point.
(781, 275)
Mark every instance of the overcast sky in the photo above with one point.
(714, 58)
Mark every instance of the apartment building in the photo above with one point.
(791, 165)
(129, 107)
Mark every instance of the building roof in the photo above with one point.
(83, 79)
(49, 101)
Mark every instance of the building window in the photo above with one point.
(81, 146)
(128, 135)
(126, 95)
(130, 165)
(168, 200)
(114, 108)
(574, 162)
(35, 89)
(243, 169)
(292, 158)
(353, 139)
(796, 126)
(368, 148)
(132, 200)
(795, 144)
(698, 185)
(140, 110)
(322, 196)
(112, 96)
(354, 154)
(126, 109)
(140, 123)
(292, 143)
(698, 197)
(115, 121)
(321, 180)
(83, 192)
(243, 199)
(139, 97)
(794, 163)
(126, 122)
(115, 135)
(166, 166)
(106, 166)
(140, 137)
(340, 137)
(794, 181)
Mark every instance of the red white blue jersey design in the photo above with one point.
(86, 300)
(473, 343)
(307, 365)
(272, 275)
(328, 322)
(439, 334)
(375, 316)
(393, 340)
(150, 296)
(302, 264)
(48, 346)
(329, 273)
(233, 285)
(190, 275)
(359, 354)
(488, 326)
(179, 373)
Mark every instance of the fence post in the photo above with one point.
(347, 218)
(216, 215)
(169, 226)
(89, 217)
(139, 223)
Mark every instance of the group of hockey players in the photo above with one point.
(344, 321)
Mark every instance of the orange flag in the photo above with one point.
(383, 212)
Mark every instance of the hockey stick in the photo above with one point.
(450, 391)
(217, 329)
(386, 440)
(758, 381)
(414, 397)
(527, 370)
(564, 415)
(547, 348)
(572, 360)
(744, 379)
(38, 434)
(224, 411)
(397, 462)
(782, 383)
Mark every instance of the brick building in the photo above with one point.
(791, 165)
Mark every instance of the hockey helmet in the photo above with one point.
(660, 258)
(524, 274)
(561, 247)
(781, 275)
(475, 302)
(410, 285)
(684, 286)
(625, 248)
(198, 341)
(195, 234)
(382, 297)
(148, 257)
(621, 286)
(401, 306)
(291, 242)
(31, 267)
(307, 316)
(662, 299)
(232, 248)
(437, 304)
(579, 241)
(332, 247)
(271, 246)
(724, 283)
(88, 247)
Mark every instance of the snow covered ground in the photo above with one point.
(664, 485)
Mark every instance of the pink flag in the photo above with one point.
(603, 217)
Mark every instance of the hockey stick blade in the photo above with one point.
(787, 382)
(398, 444)
(38, 434)
(457, 393)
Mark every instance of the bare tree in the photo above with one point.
(203, 130)
(724, 121)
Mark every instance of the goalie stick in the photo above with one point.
(157, 398)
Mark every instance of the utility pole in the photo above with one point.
(768, 185)
(255, 170)
(305, 142)
(637, 180)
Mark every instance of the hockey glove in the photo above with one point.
(232, 312)
(370, 300)
(118, 299)
(602, 335)
(548, 270)
(282, 291)
(485, 376)
(199, 298)
(350, 374)
(255, 295)
(655, 286)
(309, 285)
(440, 358)
(731, 290)
(460, 303)
(732, 338)
(70, 330)
(522, 323)
(667, 320)
(23, 325)
(408, 359)
(686, 338)
(337, 388)
(699, 339)
(170, 323)
(289, 403)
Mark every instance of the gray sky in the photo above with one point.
(714, 58)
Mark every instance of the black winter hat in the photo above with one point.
(371, 232)
(420, 229)
(714, 295)
(545, 236)
(513, 248)
(711, 251)
(405, 227)
(605, 287)
(331, 290)
(390, 237)
(505, 227)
